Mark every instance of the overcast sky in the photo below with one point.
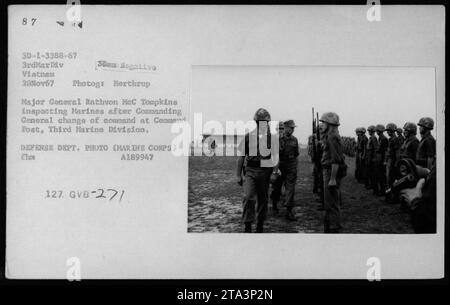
(360, 95)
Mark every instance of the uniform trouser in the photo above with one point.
(372, 175)
(358, 167)
(317, 176)
(318, 180)
(276, 189)
(332, 201)
(256, 188)
(380, 169)
(363, 170)
(289, 175)
(390, 175)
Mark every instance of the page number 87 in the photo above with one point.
(29, 21)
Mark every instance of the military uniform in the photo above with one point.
(362, 155)
(427, 146)
(380, 158)
(392, 157)
(409, 148)
(401, 139)
(424, 212)
(277, 183)
(332, 154)
(315, 159)
(361, 144)
(372, 146)
(258, 170)
(317, 171)
(289, 151)
(357, 155)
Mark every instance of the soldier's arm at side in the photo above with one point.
(336, 159)
(334, 170)
(431, 151)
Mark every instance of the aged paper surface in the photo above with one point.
(91, 176)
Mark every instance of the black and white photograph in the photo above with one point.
(364, 163)
(224, 142)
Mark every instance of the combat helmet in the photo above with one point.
(261, 115)
(426, 122)
(391, 127)
(410, 127)
(290, 123)
(330, 118)
(380, 127)
(371, 128)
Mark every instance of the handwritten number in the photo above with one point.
(25, 21)
(115, 193)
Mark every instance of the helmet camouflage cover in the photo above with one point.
(371, 128)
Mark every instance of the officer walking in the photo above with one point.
(426, 151)
(261, 155)
(411, 143)
(289, 151)
(380, 157)
(276, 179)
(392, 155)
(332, 163)
(372, 146)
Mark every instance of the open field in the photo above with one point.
(215, 202)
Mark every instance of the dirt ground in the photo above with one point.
(215, 202)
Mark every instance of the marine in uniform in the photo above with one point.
(380, 156)
(333, 163)
(362, 153)
(261, 156)
(276, 179)
(392, 156)
(411, 143)
(422, 200)
(372, 146)
(426, 151)
(357, 154)
(400, 136)
(289, 151)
